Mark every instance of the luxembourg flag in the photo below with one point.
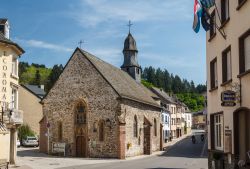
(197, 15)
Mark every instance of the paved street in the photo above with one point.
(183, 155)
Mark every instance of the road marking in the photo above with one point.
(203, 149)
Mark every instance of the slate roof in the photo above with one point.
(3, 39)
(163, 95)
(36, 90)
(123, 84)
(129, 43)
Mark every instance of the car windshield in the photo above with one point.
(31, 138)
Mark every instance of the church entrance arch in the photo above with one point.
(147, 137)
(81, 130)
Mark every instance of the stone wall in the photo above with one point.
(130, 109)
(80, 81)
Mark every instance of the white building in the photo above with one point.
(11, 117)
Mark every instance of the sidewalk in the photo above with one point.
(31, 158)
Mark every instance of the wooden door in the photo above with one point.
(80, 146)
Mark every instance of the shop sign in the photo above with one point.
(228, 98)
(58, 148)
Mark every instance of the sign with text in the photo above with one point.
(228, 98)
(58, 148)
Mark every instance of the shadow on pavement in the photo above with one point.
(30, 152)
(187, 149)
(165, 168)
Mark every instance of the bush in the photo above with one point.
(25, 131)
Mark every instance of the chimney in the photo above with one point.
(4, 27)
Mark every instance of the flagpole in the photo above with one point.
(217, 27)
(224, 35)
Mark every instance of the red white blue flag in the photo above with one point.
(197, 15)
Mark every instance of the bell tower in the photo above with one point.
(130, 64)
(4, 27)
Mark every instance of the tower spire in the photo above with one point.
(129, 25)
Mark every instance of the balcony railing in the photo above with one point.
(13, 116)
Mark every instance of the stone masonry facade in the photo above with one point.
(81, 82)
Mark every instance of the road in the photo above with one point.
(184, 155)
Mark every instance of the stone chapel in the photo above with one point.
(99, 110)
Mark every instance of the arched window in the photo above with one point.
(80, 114)
(101, 130)
(60, 131)
(135, 126)
(155, 128)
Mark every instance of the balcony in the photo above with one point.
(13, 117)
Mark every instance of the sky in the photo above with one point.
(49, 32)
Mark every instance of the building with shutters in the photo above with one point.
(228, 81)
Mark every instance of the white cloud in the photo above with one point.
(44, 45)
(111, 55)
(93, 12)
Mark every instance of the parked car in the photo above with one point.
(30, 141)
(18, 144)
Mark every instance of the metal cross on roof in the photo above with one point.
(80, 43)
(129, 25)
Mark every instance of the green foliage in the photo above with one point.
(194, 101)
(186, 91)
(147, 84)
(29, 74)
(36, 74)
(53, 76)
(25, 131)
(169, 82)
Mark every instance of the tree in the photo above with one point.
(54, 75)
(22, 67)
(37, 80)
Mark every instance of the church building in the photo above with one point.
(98, 110)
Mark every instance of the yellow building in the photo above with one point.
(31, 106)
(228, 80)
(11, 116)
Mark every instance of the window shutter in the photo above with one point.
(212, 80)
(229, 65)
(212, 131)
(241, 55)
(247, 52)
(224, 66)
(223, 14)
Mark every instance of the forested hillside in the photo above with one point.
(37, 74)
(186, 91)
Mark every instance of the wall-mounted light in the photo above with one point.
(108, 122)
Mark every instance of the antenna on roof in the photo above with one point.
(80, 43)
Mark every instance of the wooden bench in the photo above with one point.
(4, 164)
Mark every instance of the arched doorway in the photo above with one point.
(242, 134)
(81, 131)
(80, 146)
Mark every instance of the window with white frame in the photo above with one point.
(218, 131)
(14, 70)
(226, 65)
(14, 99)
(244, 48)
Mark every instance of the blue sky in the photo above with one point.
(49, 31)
